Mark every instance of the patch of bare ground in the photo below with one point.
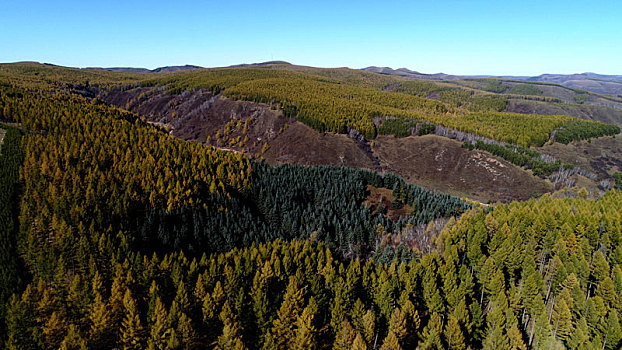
(442, 164)
(584, 111)
(384, 197)
(603, 156)
(299, 144)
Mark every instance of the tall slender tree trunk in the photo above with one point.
(533, 327)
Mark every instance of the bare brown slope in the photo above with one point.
(442, 164)
(591, 112)
(602, 156)
(204, 117)
(300, 144)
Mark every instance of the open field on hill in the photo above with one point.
(602, 156)
(440, 163)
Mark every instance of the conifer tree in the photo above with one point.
(159, 326)
(231, 334)
(54, 329)
(283, 326)
(230, 340)
(391, 342)
(515, 338)
(359, 343)
(305, 330)
(73, 340)
(580, 337)
(562, 320)
(101, 326)
(369, 327)
(613, 335)
(432, 333)
(131, 328)
(345, 336)
(453, 334)
(397, 324)
(185, 331)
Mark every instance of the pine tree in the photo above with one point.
(115, 302)
(356, 315)
(131, 329)
(580, 338)
(345, 336)
(391, 342)
(101, 323)
(613, 335)
(599, 268)
(230, 337)
(562, 320)
(283, 326)
(159, 329)
(397, 325)
(54, 329)
(369, 327)
(432, 333)
(359, 343)
(185, 331)
(73, 340)
(496, 322)
(453, 334)
(305, 330)
(516, 338)
(606, 290)
(260, 298)
(230, 340)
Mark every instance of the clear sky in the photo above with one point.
(452, 36)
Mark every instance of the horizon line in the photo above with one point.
(93, 67)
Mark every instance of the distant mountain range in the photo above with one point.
(145, 70)
(551, 78)
(603, 84)
(599, 83)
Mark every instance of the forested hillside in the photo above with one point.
(332, 105)
(117, 235)
(329, 100)
(11, 156)
(100, 186)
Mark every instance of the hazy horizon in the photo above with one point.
(296, 64)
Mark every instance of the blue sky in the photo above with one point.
(457, 36)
